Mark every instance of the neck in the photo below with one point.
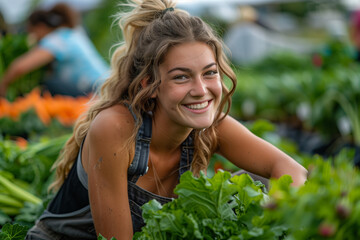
(167, 137)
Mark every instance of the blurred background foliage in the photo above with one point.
(101, 26)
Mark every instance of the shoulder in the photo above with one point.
(230, 132)
(109, 135)
(229, 123)
(114, 122)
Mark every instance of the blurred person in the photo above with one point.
(355, 32)
(250, 39)
(246, 39)
(73, 65)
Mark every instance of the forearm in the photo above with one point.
(290, 167)
(279, 163)
(10, 76)
(25, 64)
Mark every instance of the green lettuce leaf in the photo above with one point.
(207, 197)
(13, 232)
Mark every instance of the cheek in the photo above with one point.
(168, 94)
(217, 88)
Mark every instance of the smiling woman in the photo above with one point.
(163, 111)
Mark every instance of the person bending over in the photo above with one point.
(73, 65)
(162, 111)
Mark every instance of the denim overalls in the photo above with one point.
(79, 224)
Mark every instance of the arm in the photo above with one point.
(106, 160)
(255, 155)
(24, 64)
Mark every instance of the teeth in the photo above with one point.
(198, 106)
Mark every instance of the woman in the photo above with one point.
(74, 66)
(158, 115)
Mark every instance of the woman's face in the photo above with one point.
(190, 89)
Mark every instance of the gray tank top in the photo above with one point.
(79, 224)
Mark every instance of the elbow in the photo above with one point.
(299, 176)
(297, 172)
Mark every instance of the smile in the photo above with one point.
(198, 106)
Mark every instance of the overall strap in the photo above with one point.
(187, 153)
(139, 165)
(131, 111)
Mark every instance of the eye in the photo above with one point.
(181, 77)
(211, 73)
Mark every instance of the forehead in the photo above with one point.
(190, 54)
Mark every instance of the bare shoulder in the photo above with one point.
(108, 136)
(229, 125)
(116, 121)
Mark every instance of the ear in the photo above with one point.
(154, 95)
(144, 82)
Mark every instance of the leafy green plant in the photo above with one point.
(11, 47)
(27, 124)
(336, 52)
(351, 110)
(281, 62)
(17, 202)
(299, 98)
(24, 177)
(32, 164)
(13, 232)
(221, 207)
(99, 22)
(326, 207)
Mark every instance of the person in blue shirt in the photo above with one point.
(73, 65)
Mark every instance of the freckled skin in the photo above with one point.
(189, 77)
(98, 164)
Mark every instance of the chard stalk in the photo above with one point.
(18, 192)
(11, 211)
(6, 200)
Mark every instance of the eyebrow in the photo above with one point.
(189, 70)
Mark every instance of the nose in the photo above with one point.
(199, 87)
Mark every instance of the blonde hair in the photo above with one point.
(150, 29)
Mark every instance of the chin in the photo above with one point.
(202, 126)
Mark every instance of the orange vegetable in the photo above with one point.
(65, 109)
(21, 142)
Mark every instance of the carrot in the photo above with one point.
(42, 113)
(64, 108)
